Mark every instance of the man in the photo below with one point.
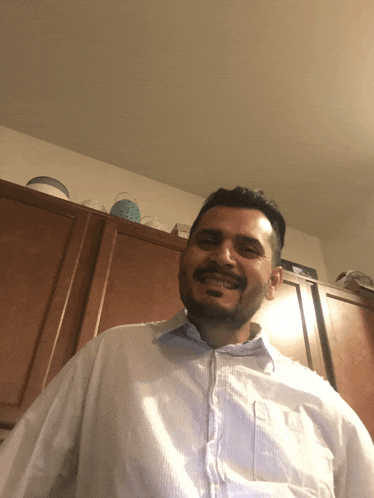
(200, 405)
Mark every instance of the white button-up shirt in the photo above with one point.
(152, 411)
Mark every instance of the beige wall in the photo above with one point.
(306, 250)
(23, 158)
(351, 247)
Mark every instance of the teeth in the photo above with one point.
(219, 282)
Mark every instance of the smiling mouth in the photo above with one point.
(218, 281)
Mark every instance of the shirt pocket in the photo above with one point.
(287, 449)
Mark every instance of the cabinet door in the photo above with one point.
(349, 324)
(290, 323)
(135, 278)
(41, 244)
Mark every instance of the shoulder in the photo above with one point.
(147, 329)
(303, 377)
(135, 335)
(117, 345)
(318, 388)
(121, 337)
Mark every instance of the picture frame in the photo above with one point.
(299, 269)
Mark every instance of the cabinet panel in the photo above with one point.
(135, 280)
(40, 246)
(32, 246)
(71, 322)
(349, 322)
(144, 275)
(289, 322)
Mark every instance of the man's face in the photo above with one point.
(226, 270)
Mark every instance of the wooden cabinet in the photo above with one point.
(291, 324)
(135, 278)
(41, 246)
(348, 320)
(68, 272)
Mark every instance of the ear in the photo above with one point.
(276, 280)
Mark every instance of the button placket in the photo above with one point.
(214, 429)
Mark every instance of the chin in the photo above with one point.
(214, 312)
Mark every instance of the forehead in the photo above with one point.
(233, 221)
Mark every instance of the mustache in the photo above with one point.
(238, 279)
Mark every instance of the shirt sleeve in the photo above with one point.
(355, 476)
(40, 456)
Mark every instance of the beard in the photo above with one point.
(216, 314)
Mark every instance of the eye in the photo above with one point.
(248, 251)
(205, 243)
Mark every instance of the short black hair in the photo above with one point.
(242, 197)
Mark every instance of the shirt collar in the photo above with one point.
(259, 345)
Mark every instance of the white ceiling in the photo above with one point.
(271, 94)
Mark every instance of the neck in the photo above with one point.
(218, 335)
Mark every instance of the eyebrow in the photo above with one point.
(244, 238)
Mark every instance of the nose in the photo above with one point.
(224, 254)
